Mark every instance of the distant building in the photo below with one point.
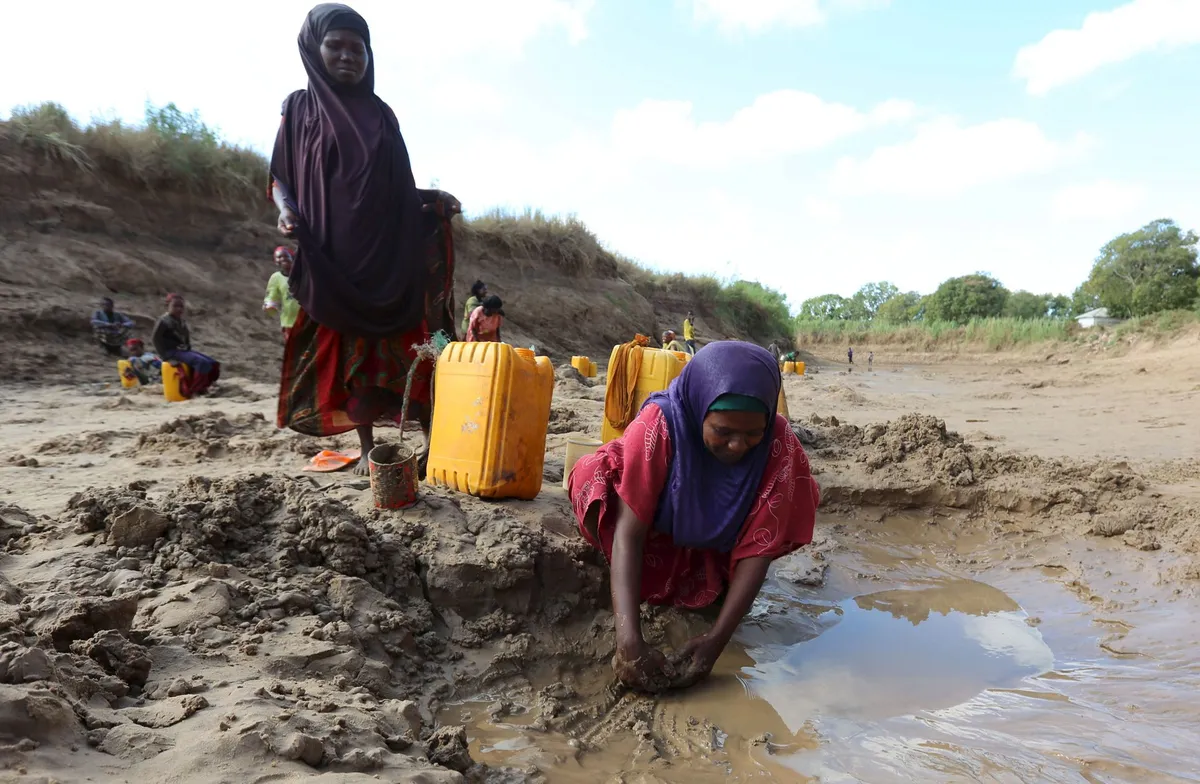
(1097, 318)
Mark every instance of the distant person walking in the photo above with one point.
(111, 328)
(870, 359)
(689, 332)
(279, 299)
(369, 273)
(479, 292)
(850, 354)
(173, 343)
(485, 322)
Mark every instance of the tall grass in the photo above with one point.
(1167, 322)
(169, 152)
(564, 241)
(993, 333)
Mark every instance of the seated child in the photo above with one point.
(145, 364)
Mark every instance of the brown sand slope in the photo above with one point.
(69, 237)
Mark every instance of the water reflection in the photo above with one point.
(900, 652)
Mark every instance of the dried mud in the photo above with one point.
(209, 625)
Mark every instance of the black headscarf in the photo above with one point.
(344, 169)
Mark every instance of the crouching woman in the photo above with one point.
(690, 506)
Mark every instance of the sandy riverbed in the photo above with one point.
(1008, 596)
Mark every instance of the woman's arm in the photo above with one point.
(287, 218)
(744, 585)
(274, 299)
(160, 340)
(636, 663)
(473, 325)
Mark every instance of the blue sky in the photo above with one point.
(813, 145)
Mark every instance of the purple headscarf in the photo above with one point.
(705, 501)
(343, 167)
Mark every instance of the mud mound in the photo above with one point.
(846, 394)
(327, 621)
(568, 418)
(914, 462)
(214, 434)
(923, 440)
(88, 443)
(15, 522)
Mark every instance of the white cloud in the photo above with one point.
(1100, 200)
(422, 50)
(775, 125)
(1107, 37)
(755, 16)
(946, 158)
(467, 96)
(821, 209)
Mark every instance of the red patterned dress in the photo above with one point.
(333, 382)
(636, 466)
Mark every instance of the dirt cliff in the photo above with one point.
(71, 234)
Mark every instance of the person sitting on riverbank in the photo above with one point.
(706, 487)
(279, 299)
(146, 365)
(672, 343)
(173, 342)
(479, 292)
(111, 328)
(485, 322)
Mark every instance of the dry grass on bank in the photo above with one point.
(176, 152)
(171, 152)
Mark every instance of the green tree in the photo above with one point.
(959, 300)
(1083, 300)
(828, 307)
(868, 299)
(172, 123)
(901, 308)
(1146, 271)
(1058, 306)
(1026, 305)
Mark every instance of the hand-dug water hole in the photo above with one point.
(914, 660)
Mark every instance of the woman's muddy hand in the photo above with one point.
(641, 666)
(698, 657)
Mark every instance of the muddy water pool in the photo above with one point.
(913, 661)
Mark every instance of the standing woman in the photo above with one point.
(703, 490)
(173, 343)
(341, 177)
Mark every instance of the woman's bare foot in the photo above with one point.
(366, 442)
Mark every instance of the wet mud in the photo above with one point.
(212, 613)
